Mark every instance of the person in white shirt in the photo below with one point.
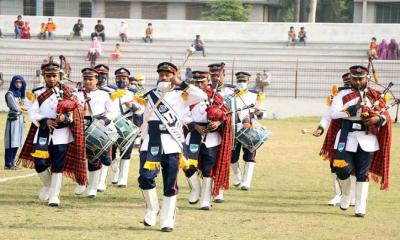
(163, 143)
(123, 31)
(55, 143)
(98, 106)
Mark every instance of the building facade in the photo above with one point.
(376, 11)
(262, 10)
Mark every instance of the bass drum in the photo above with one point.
(252, 138)
(99, 140)
(127, 132)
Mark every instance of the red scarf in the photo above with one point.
(75, 165)
(379, 170)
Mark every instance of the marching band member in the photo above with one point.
(244, 119)
(56, 137)
(217, 77)
(207, 132)
(98, 105)
(324, 126)
(362, 141)
(163, 142)
(127, 107)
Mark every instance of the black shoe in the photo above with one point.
(205, 208)
(122, 186)
(344, 209)
(166, 229)
(236, 185)
(360, 215)
(218, 200)
(12, 168)
(98, 190)
(146, 224)
(53, 204)
(245, 188)
(91, 196)
(193, 202)
(114, 183)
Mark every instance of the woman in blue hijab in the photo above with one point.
(14, 133)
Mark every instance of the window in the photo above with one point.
(85, 9)
(154, 10)
(388, 13)
(30, 7)
(48, 7)
(117, 9)
(194, 11)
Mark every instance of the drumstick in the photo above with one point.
(306, 131)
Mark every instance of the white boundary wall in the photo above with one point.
(231, 31)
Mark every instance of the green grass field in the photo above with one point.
(290, 188)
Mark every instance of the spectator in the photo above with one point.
(383, 49)
(148, 33)
(77, 30)
(99, 31)
(291, 37)
(18, 24)
(39, 80)
(373, 49)
(50, 29)
(198, 44)
(66, 67)
(302, 36)
(42, 33)
(95, 50)
(262, 81)
(117, 52)
(123, 31)
(26, 31)
(1, 34)
(14, 132)
(393, 50)
(188, 74)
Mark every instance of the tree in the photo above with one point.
(227, 10)
(335, 11)
(313, 11)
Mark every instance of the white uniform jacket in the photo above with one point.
(368, 142)
(173, 98)
(100, 102)
(48, 110)
(199, 115)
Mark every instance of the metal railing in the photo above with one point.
(293, 79)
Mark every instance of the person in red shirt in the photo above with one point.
(373, 49)
(26, 31)
(18, 24)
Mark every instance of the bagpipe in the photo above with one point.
(387, 95)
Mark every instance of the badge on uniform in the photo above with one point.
(154, 150)
(194, 148)
(42, 141)
(341, 147)
(163, 109)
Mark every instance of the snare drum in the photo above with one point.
(253, 138)
(127, 132)
(99, 139)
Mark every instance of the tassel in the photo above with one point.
(340, 163)
(140, 100)
(334, 90)
(183, 162)
(193, 162)
(329, 100)
(387, 98)
(260, 98)
(41, 154)
(117, 94)
(30, 96)
(152, 166)
(185, 96)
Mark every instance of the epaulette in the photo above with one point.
(37, 89)
(140, 99)
(260, 97)
(117, 94)
(105, 90)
